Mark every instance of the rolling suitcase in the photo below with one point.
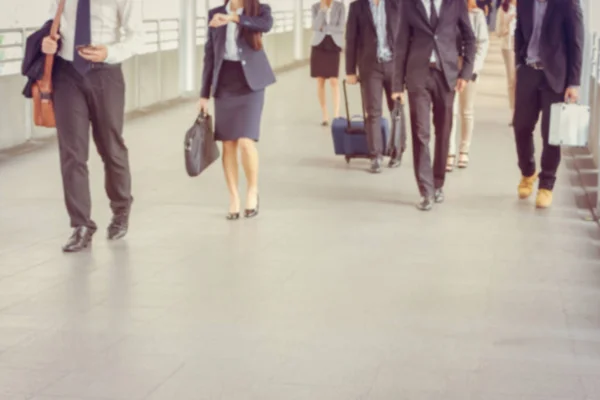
(349, 135)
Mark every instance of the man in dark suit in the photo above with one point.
(369, 48)
(548, 53)
(426, 62)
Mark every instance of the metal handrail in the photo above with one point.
(163, 33)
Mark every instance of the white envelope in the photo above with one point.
(569, 125)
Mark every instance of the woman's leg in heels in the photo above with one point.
(335, 92)
(250, 165)
(322, 99)
(231, 169)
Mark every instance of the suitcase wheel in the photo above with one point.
(347, 160)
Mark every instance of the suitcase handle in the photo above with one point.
(348, 118)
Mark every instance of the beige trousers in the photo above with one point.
(509, 64)
(464, 111)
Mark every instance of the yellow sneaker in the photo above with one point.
(544, 198)
(526, 186)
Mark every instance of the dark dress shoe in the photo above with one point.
(79, 240)
(426, 204)
(119, 225)
(439, 196)
(375, 165)
(251, 213)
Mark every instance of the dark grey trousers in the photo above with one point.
(532, 96)
(96, 99)
(434, 93)
(375, 84)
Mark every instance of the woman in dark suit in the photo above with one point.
(236, 73)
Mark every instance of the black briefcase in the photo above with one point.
(397, 139)
(200, 148)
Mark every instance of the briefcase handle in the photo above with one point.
(202, 116)
(348, 117)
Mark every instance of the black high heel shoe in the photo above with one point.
(251, 213)
(233, 216)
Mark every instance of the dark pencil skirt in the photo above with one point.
(238, 109)
(325, 59)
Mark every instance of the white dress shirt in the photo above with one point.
(438, 6)
(233, 29)
(328, 15)
(108, 19)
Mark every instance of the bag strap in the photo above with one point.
(364, 112)
(46, 81)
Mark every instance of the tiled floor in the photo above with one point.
(340, 290)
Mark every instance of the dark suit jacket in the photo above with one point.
(361, 35)
(255, 64)
(416, 40)
(561, 44)
(34, 60)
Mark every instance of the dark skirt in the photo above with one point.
(325, 59)
(238, 109)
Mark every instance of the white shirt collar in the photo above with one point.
(240, 10)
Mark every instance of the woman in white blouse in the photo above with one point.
(505, 27)
(328, 21)
(464, 102)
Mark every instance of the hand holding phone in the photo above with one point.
(93, 53)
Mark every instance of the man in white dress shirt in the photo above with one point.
(89, 89)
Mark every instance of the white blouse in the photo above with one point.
(231, 47)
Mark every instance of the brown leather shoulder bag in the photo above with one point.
(41, 91)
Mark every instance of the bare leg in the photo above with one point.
(335, 89)
(250, 164)
(322, 98)
(230, 167)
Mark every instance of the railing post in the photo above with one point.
(187, 47)
(596, 126)
(298, 30)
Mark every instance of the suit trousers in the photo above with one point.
(375, 83)
(96, 99)
(432, 93)
(533, 96)
(463, 113)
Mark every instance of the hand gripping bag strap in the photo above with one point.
(43, 109)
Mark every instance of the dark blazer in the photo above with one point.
(255, 64)
(32, 65)
(561, 45)
(416, 41)
(361, 35)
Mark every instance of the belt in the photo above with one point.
(535, 65)
(383, 60)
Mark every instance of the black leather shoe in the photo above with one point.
(439, 196)
(79, 240)
(375, 165)
(251, 213)
(119, 225)
(426, 204)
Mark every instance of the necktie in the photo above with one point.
(433, 17)
(83, 35)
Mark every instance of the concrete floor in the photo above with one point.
(340, 290)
